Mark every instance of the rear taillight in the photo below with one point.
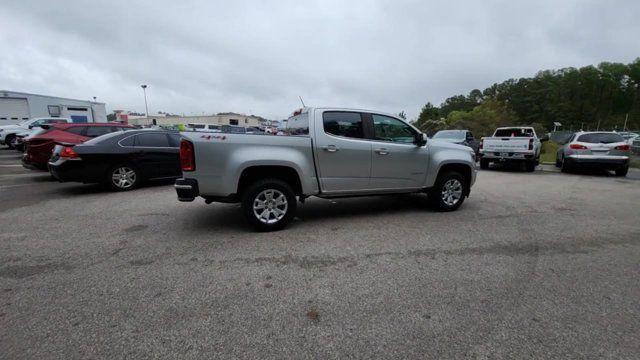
(481, 141)
(68, 153)
(577, 147)
(187, 156)
(530, 144)
(625, 147)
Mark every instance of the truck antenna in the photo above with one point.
(301, 101)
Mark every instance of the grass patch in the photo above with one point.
(548, 152)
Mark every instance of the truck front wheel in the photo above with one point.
(269, 204)
(449, 191)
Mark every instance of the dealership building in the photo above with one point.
(219, 119)
(18, 106)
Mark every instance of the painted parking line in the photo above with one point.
(12, 165)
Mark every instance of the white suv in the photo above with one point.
(8, 133)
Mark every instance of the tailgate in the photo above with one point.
(506, 144)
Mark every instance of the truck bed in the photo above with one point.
(221, 157)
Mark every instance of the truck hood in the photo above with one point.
(453, 141)
(446, 144)
(12, 128)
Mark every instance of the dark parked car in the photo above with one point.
(462, 137)
(120, 160)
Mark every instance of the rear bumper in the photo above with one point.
(507, 156)
(612, 160)
(32, 166)
(187, 189)
(67, 170)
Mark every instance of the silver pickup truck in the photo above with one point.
(324, 152)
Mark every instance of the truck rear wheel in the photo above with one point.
(269, 204)
(484, 164)
(530, 166)
(449, 191)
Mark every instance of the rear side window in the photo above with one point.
(347, 124)
(152, 140)
(95, 131)
(129, 141)
(596, 138)
(297, 125)
(78, 130)
(174, 140)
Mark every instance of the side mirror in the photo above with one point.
(420, 139)
(30, 126)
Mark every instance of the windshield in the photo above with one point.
(514, 132)
(449, 134)
(596, 138)
(102, 138)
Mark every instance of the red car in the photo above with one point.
(39, 147)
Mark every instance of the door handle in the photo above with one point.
(382, 151)
(331, 148)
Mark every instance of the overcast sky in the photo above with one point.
(259, 56)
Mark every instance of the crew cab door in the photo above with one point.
(397, 163)
(342, 151)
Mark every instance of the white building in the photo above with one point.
(18, 106)
(221, 119)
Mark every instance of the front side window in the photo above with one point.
(152, 140)
(347, 124)
(386, 128)
(233, 121)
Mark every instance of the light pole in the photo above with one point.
(146, 108)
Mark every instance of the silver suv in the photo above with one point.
(607, 150)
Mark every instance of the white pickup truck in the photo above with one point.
(511, 144)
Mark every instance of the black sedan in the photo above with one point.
(120, 160)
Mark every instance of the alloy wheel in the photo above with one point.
(451, 192)
(270, 206)
(123, 177)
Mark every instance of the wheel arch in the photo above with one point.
(285, 173)
(462, 168)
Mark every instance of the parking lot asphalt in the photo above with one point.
(533, 265)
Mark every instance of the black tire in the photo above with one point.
(437, 194)
(484, 164)
(8, 140)
(565, 166)
(258, 192)
(129, 177)
(558, 162)
(530, 166)
(622, 171)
